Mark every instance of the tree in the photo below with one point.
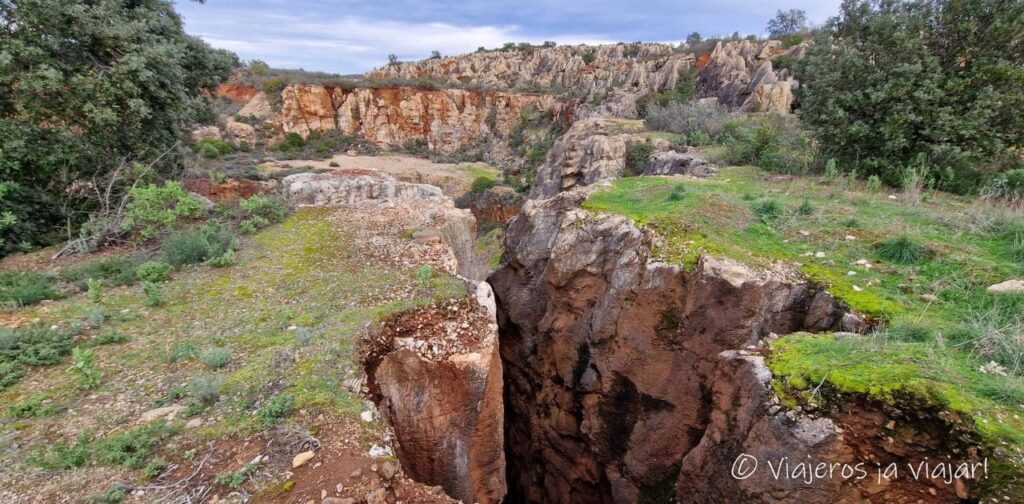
(259, 67)
(787, 23)
(694, 39)
(392, 60)
(83, 87)
(926, 83)
(435, 54)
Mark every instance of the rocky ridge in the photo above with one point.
(739, 74)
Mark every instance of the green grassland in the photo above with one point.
(936, 323)
(243, 347)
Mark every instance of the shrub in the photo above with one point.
(154, 271)
(234, 480)
(197, 245)
(25, 288)
(110, 338)
(32, 407)
(424, 274)
(831, 170)
(637, 155)
(705, 117)
(204, 389)
(278, 407)
(901, 250)
(181, 350)
(303, 336)
(112, 270)
(589, 57)
(84, 365)
(222, 261)
(775, 143)
(262, 211)
(292, 141)
(874, 183)
(215, 146)
(154, 210)
(60, 455)
(95, 316)
(805, 209)
(216, 358)
(274, 85)
(114, 495)
(482, 183)
(132, 448)
(153, 293)
(34, 345)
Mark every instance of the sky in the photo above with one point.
(350, 37)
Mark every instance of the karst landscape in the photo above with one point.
(785, 267)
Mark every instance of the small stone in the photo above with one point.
(323, 494)
(857, 289)
(292, 327)
(302, 458)
(339, 488)
(388, 471)
(961, 488)
(931, 298)
(1007, 287)
(367, 416)
(819, 255)
(851, 273)
(804, 233)
(357, 474)
(892, 196)
(351, 153)
(195, 423)
(166, 413)
(336, 500)
(373, 467)
(850, 237)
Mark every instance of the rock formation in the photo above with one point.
(445, 120)
(630, 380)
(740, 75)
(498, 205)
(607, 86)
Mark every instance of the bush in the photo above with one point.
(154, 210)
(278, 407)
(181, 350)
(482, 183)
(25, 288)
(682, 92)
(204, 389)
(292, 141)
(637, 155)
(34, 345)
(32, 407)
(132, 448)
(705, 117)
(154, 271)
(589, 57)
(94, 289)
(197, 245)
(235, 480)
(222, 261)
(774, 143)
(114, 495)
(112, 270)
(215, 145)
(901, 250)
(768, 211)
(874, 183)
(261, 211)
(95, 316)
(216, 358)
(274, 85)
(110, 338)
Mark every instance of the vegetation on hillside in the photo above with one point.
(86, 88)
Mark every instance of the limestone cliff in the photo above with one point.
(740, 75)
(605, 79)
(444, 120)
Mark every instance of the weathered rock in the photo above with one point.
(445, 120)
(674, 162)
(447, 411)
(497, 204)
(236, 91)
(204, 132)
(591, 150)
(345, 187)
(301, 459)
(258, 107)
(230, 189)
(607, 87)
(240, 131)
(167, 413)
(740, 75)
(610, 358)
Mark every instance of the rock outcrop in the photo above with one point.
(611, 359)
(498, 204)
(436, 376)
(595, 149)
(444, 120)
(740, 75)
(605, 79)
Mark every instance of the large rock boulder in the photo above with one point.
(350, 186)
(675, 162)
(740, 75)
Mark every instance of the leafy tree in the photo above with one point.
(893, 85)
(83, 87)
(435, 54)
(392, 59)
(259, 67)
(787, 23)
(694, 39)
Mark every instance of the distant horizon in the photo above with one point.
(350, 38)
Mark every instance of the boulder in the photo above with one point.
(1007, 287)
(240, 131)
(258, 106)
(673, 162)
(204, 132)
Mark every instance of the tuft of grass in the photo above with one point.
(235, 479)
(33, 407)
(277, 408)
(95, 316)
(110, 338)
(902, 250)
(113, 271)
(204, 389)
(768, 211)
(181, 350)
(132, 448)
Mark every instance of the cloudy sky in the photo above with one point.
(346, 36)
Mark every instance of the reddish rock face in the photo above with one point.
(236, 91)
(444, 119)
(229, 190)
(497, 204)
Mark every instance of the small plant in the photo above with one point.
(110, 338)
(60, 455)
(222, 261)
(216, 358)
(678, 193)
(154, 294)
(95, 316)
(831, 170)
(589, 57)
(84, 365)
(212, 148)
(235, 480)
(805, 208)
(278, 407)
(909, 332)
(874, 183)
(261, 211)
(181, 350)
(33, 407)
(198, 245)
(637, 155)
(424, 274)
(768, 211)
(132, 448)
(95, 290)
(902, 250)
(113, 271)
(114, 495)
(25, 288)
(303, 336)
(33, 345)
(154, 271)
(204, 389)
(482, 183)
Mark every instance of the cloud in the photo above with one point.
(354, 36)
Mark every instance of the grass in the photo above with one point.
(306, 272)
(922, 270)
